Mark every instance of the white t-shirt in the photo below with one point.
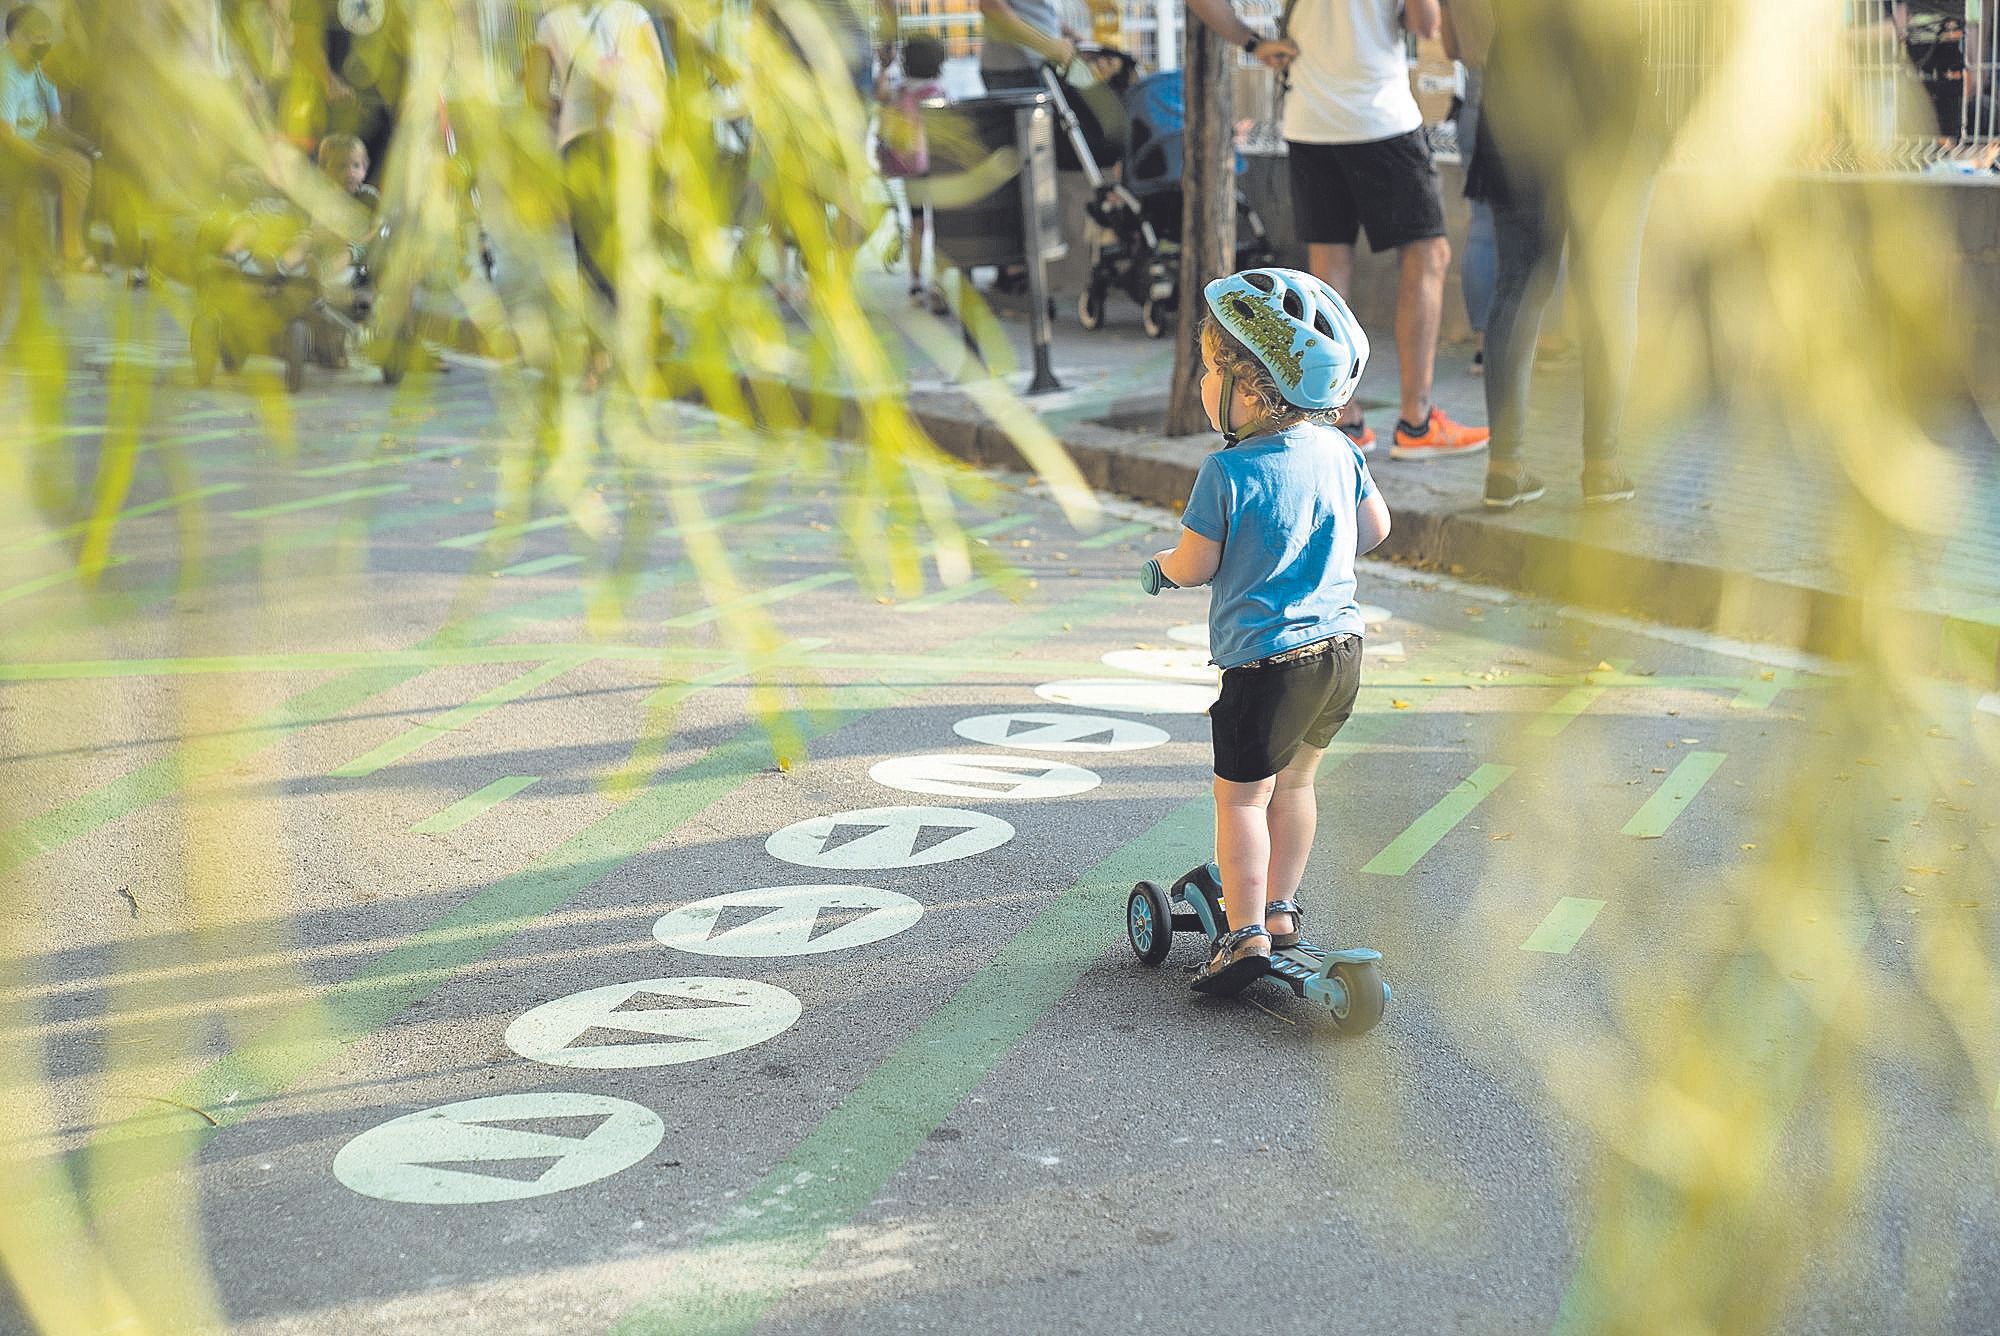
(1351, 81)
(606, 70)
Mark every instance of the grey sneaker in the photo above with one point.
(1504, 490)
(1606, 484)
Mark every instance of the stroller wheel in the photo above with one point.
(1090, 307)
(1154, 317)
(298, 351)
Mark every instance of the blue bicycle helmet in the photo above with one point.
(1298, 328)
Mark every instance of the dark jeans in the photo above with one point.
(1529, 232)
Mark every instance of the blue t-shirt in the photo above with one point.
(1282, 506)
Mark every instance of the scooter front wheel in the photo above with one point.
(1149, 923)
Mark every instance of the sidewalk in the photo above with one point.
(1733, 529)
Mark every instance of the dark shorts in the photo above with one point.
(1267, 710)
(1388, 186)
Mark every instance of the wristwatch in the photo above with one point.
(1251, 43)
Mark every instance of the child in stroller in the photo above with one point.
(286, 286)
(1142, 258)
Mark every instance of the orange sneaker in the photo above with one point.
(1362, 435)
(1441, 437)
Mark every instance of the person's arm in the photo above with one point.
(1009, 26)
(1371, 523)
(1423, 17)
(1221, 18)
(1193, 562)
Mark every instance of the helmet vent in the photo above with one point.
(1261, 281)
(1295, 306)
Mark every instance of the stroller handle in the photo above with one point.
(1052, 82)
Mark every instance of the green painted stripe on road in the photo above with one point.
(542, 565)
(938, 598)
(318, 502)
(132, 512)
(785, 1222)
(1403, 852)
(403, 744)
(385, 462)
(54, 578)
(760, 598)
(1566, 923)
(1552, 721)
(1763, 693)
(1117, 535)
(1672, 797)
(474, 805)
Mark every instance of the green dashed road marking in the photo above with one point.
(474, 805)
(938, 598)
(1760, 694)
(134, 512)
(1117, 535)
(386, 462)
(1559, 716)
(1406, 849)
(52, 579)
(1672, 797)
(409, 741)
(760, 598)
(542, 565)
(1565, 924)
(317, 502)
(784, 1223)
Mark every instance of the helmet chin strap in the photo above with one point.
(1232, 435)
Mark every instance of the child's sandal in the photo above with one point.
(1284, 941)
(1228, 972)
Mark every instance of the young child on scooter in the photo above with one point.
(1275, 520)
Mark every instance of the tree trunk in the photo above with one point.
(1208, 210)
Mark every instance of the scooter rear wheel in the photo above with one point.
(1367, 995)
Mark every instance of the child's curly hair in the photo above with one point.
(1253, 378)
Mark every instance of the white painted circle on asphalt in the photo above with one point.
(787, 921)
(502, 1148)
(1049, 731)
(1191, 633)
(882, 837)
(1130, 693)
(989, 776)
(652, 1023)
(1183, 665)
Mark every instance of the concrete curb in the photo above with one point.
(1434, 534)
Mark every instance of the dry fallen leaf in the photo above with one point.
(1659, 770)
(1604, 667)
(1926, 871)
(1508, 835)
(1690, 742)
(1767, 676)
(1746, 847)
(1399, 705)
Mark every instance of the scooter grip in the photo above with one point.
(1152, 579)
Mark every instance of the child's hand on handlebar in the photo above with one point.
(1152, 579)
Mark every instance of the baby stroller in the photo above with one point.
(1143, 257)
(308, 311)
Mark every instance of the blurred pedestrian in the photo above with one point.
(598, 73)
(902, 147)
(1524, 165)
(42, 152)
(1360, 162)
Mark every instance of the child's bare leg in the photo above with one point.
(1293, 817)
(1243, 851)
(916, 246)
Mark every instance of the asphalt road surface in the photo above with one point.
(373, 960)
